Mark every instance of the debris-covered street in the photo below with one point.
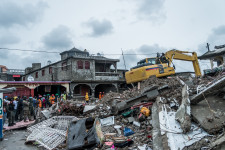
(166, 113)
(112, 75)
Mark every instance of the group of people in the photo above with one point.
(23, 108)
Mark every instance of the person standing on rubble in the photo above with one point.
(20, 109)
(47, 101)
(15, 102)
(43, 102)
(26, 110)
(31, 108)
(52, 98)
(5, 110)
(64, 96)
(100, 95)
(35, 102)
(11, 113)
(86, 97)
(39, 103)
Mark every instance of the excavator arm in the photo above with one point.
(182, 55)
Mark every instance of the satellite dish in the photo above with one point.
(49, 62)
(30, 78)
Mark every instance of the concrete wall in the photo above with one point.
(72, 73)
(36, 66)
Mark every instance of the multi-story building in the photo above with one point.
(86, 73)
(10, 74)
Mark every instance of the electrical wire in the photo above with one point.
(45, 51)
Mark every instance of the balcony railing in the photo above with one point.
(106, 74)
(16, 71)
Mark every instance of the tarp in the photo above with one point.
(79, 137)
(8, 90)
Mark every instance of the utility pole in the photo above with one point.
(124, 60)
(207, 46)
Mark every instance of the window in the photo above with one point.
(87, 65)
(80, 64)
(50, 70)
(43, 72)
(64, 66)
(36, 75)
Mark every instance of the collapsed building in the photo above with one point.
(173, 113)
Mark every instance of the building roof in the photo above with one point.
(219, 50)
(74, 50)
(34, 82)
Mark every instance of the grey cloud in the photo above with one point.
(58, 38)
(21, 60)
(99, 28)
(14, 14)
(130, 60)
(4, 55)
(8, 39)
(151, 49)
(151, 10)
(219, 30)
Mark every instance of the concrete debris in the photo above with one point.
(209, 114)
(214, 87)
(172, 130)
(160, 113)
(183, 114)
(107, 121)
(88, 108)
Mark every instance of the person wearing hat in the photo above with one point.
(52, 98)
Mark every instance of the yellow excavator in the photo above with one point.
(160, 66)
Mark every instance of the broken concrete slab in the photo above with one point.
(89, 108)
(149, 88)
(46, 113)
(131, 119)
(150, 95)
(156, 134)
(218, 142)
(172, 129)
(107, 121)
(210, 119)
(219, 84)
(183, 114)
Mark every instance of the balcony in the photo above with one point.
(106, 76)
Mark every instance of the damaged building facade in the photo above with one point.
(87, 73)
(217, 55)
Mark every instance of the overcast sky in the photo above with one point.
(107, 26)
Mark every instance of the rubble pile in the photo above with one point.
(159, 113)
